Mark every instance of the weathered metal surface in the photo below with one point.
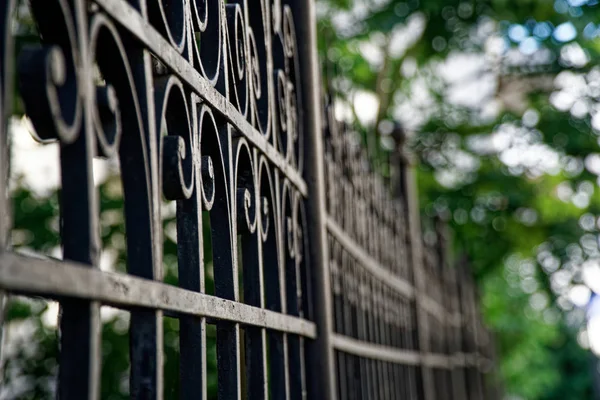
(30, 275)
(216, 105)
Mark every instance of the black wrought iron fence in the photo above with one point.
(322, 285)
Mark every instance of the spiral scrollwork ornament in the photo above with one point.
(169, 17)
(207, 38)
(245, 189)
(177, 157)
(49, 73)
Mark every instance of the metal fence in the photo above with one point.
(406, 320)
(323, 286)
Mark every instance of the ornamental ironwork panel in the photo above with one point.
(309, 272)
(198, 100)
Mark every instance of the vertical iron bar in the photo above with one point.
(347, 318)
(190, 262)
(226, 278)
(282, 277)
(276, 374)
(139, 173)
(6, 99)
(292, 291)
(414, 225)
(255, 338)
(361, 335)
(276, 301)
(80, 355)
(320, 360)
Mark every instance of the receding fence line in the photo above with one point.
(323, 285)
(405, 323)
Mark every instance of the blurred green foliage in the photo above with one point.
(519, 222)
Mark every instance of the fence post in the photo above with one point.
(453, 314)
(408, 189)
(321, 370)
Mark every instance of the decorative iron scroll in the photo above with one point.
(199, 101)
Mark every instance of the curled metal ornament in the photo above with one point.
(107, 120)
(246, 209)
(289, 220)
(48, 75)
(264, 215)
(177, 158)
(237, 42)
(266, 195)
(169, 17)
(210, 156)
(207, 37)
(208, 182)
(301, 239)
(260, 56)
(245, 189)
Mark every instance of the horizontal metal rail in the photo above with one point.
(403, 356)
(436, 309)
(55, 278)
(374, 351)
(392, 280)
(369, 263)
